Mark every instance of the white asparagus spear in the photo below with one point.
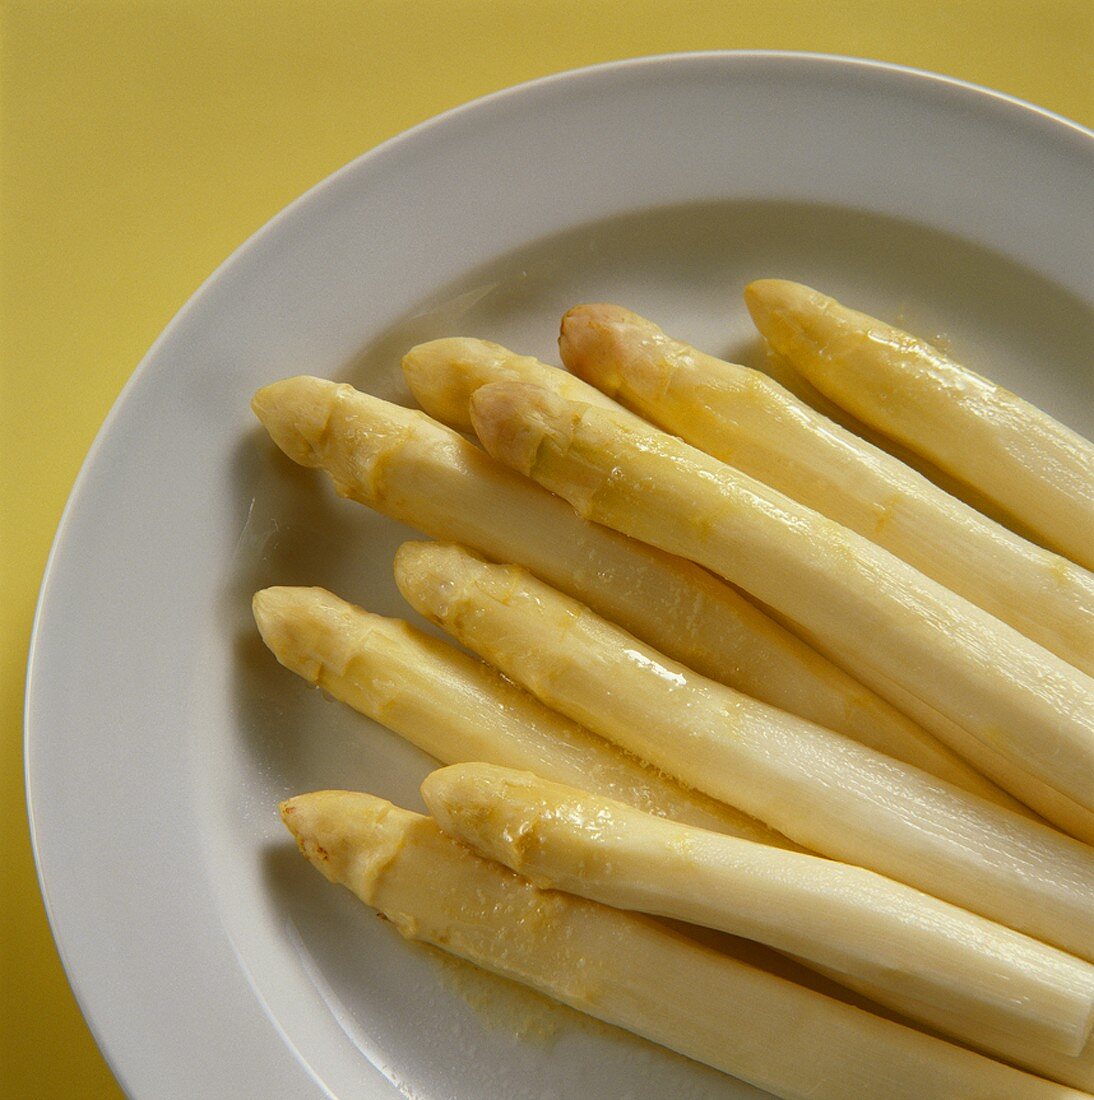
(1076, 1071)
(824, 791)
(748, 421)
(999, 686)
(630, 971)
(780, 369)
(409, 681)
(443, 374)
(413, 469)
(688, 622)
(1017, 455)
(846, 918)
(457, 708)
(1064, 812)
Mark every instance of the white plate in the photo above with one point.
(208, 957)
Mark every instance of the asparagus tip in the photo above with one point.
(589, 343)
(769, 299)
(443, 374)
(600, 313)
(427, 574)
(512, 420)
(295, 411)
(348, 836)
(491, 808)
(288, 620)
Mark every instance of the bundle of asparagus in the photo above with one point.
(656, 734)
(1016, 699)
(745, 419)
(1014, 454)
(413, 469)
(630, 971)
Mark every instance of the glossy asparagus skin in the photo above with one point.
(1007, 691)
(750, 422)
(628, 970)
(782, 371)
(1065, 813)
(822, 790)
(406, 465)
(1017, 455)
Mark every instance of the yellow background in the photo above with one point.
(140, 142)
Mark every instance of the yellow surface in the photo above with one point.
(140, 142)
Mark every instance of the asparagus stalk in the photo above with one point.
(415, 470)
(1064, 812)
(779, 368)
(991, 681)
(1017, 455)
(1074, 1070)
(846, 918)
(628, 970)
(457, 708)
(824, 791)
(1078, 1071)
(743, 418)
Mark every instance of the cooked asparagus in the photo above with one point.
(409, 467)
(1029, 463)
(1062, 811)
(443, 374)
(457, 708)
(1076, 1071)
(779, 368)
(630, 971)
(748, 421)
(824, 791)
(993, 682)
(846, 918)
